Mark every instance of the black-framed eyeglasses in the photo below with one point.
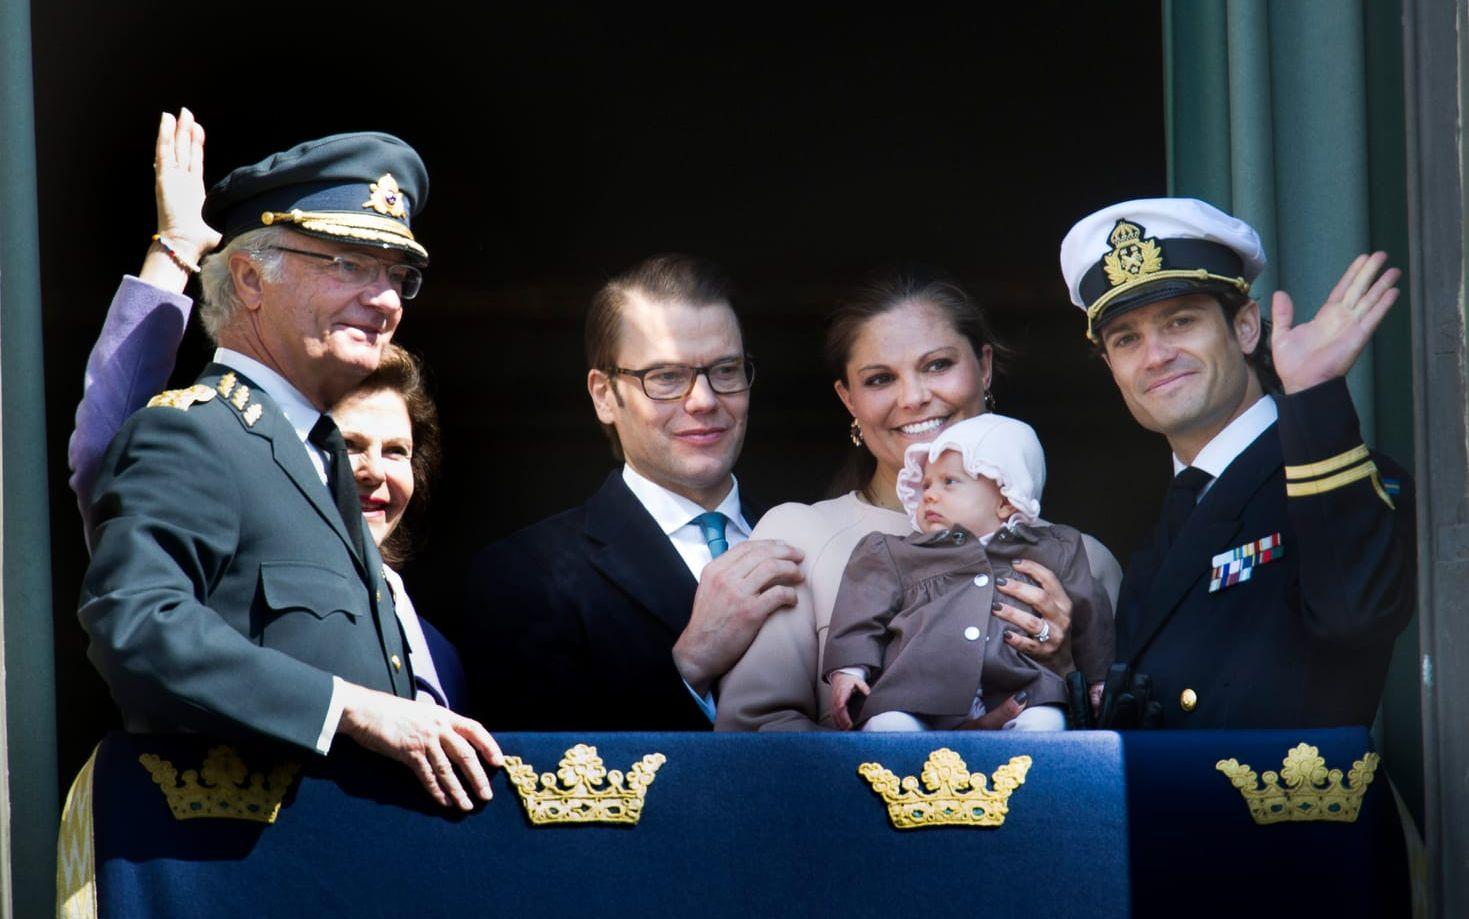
(670, 382)
(362, 270)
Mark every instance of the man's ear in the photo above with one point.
(604, 395)
(1247, 327)
(249, 284)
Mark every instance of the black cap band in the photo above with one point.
(1185, 254)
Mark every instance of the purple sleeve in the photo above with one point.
(130, 363)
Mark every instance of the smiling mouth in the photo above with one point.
(369, 332)
(920, 428)
(1167, 381)
(701, 435)
(373, 507)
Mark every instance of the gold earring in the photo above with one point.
(855, 432)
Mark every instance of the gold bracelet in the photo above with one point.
(178, 260)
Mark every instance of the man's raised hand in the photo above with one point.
(1327, 346)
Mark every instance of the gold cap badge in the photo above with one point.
(386, 198)
(1133, 255)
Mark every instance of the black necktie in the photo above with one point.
(325, 435)
(1183, 496)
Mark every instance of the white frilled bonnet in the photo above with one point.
(997, 447)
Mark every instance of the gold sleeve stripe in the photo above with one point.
(1331, 483)
(1382, 492)
(1340, 461)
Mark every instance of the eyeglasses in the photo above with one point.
(670, 382)
(362, 270)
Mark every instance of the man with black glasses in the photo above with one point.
(621, 614)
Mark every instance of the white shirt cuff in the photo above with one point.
(333, 717)
(858, 672)
(705, 702)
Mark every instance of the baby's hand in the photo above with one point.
(842, 685)
(1096, 694)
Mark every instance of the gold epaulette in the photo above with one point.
(181, 399)
(1338, 471)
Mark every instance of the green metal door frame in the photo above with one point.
(28, 811)
(1435, 50)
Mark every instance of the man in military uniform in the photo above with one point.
(1283, 567)
(233, 589)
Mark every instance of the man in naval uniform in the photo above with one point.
(1283, 567)
(233, 589)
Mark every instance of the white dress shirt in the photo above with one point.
(1231, 442)
(675, 515)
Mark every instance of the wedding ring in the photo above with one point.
(1044, 634)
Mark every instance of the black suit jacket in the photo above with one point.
(1306, 640)
(570, 623)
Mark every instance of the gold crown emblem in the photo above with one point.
(1125, 233)
(1132, 256)
(954, 796)
(229, 790)
(1311, 792)
(587, 792)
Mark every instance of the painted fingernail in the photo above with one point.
(999, 581)
(1022, 697)
(996, 606)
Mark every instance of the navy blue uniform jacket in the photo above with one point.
(1304, 642)
(570, 623)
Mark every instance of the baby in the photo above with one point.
(911, 630)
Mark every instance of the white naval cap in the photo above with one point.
(1139, 252)
(1002, 449)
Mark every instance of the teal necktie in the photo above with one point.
(711, 525)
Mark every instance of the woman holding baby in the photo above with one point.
(912, 356)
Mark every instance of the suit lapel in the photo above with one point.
(1212, 527)
(752, 512)
(631, 551)
(287, 450)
